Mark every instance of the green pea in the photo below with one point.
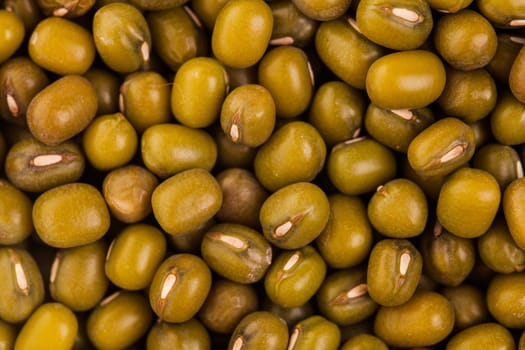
(295, 152)
(179, 287)
(447, 258)
(415, 79)
(290, 25)
(295, 215)
(454, 35)
(345, 51)
(513, 206)
(16, 222)
(343, 297)
(337, 111)
(441, 148)
(109, 141)
(177, 35)
(127, 191)
(480, 336)
(145, 100)
(393, 272)
(168, 149)
(134, 255)
(315, 332)
(119, 320)
(52, 324)
(346, 239)
(187, 335)
(248, 115)
(396, 128)
(468, 202)
(236, 252)
(505, 301)
(186, 201)
(260, 330)
(51, 122)
(470, 307)
(398, 209)
(23, 289)
(286, 72)
(75, 268)
(424, 320)
(199, 88)
(506, 123)
(359, 165)
(12, 34)
(398, 26)
(122, 37)
(227, 303)
(251, 18)
(70, 215)
(62, 46)
(295, 276)
(20, 80)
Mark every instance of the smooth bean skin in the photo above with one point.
(504, 301)
(489, 335)
(513, 208)
(12, 34)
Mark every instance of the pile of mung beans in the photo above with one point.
(262, 174)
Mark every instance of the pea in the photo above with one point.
(315, 332)
(398, 26)
(357, 166)
(295, 215)
(15, 214)
(62, 46)
(122, 37)
(186, 201)
(397, 70)
(134, 255)
(227, 303)
(453, 39)
(424, 320)
(251, 18)
(295, 152)
(441, 148)
(393, 272)
(260, 329)
(179, 287)
(468, 202)
(127, 191)
(12, 34)
(398, 209)
(248, 115)
(345, 51)
(294, 277)
(337, 111)
(287, 74)
(75, 268)
(469, 305)
(199, 88)
(23, 288)
(343, 297)
(144, 99)
(52, 324)
(504, 300)
(119, 320)
(346, 239)
(20, 80)
(190, 335)
(51, 122)
(70, 215)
